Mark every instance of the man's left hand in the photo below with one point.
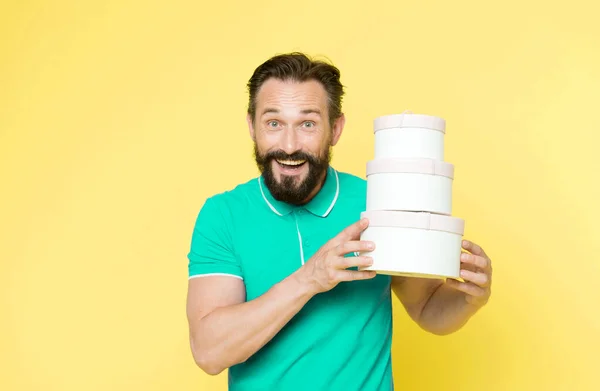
(476, 271)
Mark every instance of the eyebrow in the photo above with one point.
(309, 111)
(270, 110)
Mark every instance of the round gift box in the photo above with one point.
(409, 136)
(419, 185)
(414, 244)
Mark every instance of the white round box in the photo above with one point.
(419, 185)
(414, 244)
(409, 136)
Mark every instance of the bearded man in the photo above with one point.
(274, 292)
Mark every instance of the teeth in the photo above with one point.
(291, 162)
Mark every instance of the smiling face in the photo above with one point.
(292, 137)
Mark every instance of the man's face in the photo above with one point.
(292, 138)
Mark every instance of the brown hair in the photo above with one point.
(299, 67)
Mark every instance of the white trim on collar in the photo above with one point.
(265, 198)
(337, 192)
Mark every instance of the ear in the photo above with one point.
(338, 127)
(250, 127)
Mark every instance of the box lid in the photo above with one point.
(409, 120)
(419, 220)
(415, 166)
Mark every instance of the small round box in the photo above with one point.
(409, 136)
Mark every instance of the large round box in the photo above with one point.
(414, 244)
(409, 136)
(419, 185)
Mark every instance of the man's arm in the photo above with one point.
(444, 307)
(226, 330)
(432, 304)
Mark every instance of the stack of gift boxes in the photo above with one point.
(409, 199)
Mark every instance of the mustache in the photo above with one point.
(317, 162)
(298, 155)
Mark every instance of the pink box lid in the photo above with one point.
(416, 166)
(409, 120)
(419, 220)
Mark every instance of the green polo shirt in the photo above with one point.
(341, 339)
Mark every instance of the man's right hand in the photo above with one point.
(327, 267)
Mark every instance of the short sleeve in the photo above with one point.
(211, 250)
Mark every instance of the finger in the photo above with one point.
(475, 260)
(361, 261)
(466, 287)
(354, 246)
(469, 267)
(473, 248)
(351, 232)
(354, 275)
(480, 279)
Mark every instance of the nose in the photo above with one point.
(290, 141)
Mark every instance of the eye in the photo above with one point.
(309, 124)
(272, 124)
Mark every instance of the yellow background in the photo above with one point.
(118, 118)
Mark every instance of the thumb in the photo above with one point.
(351, 232)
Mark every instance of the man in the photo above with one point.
(274, 292)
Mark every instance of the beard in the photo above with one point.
(290, 189)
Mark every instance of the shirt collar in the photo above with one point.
(321, 204)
